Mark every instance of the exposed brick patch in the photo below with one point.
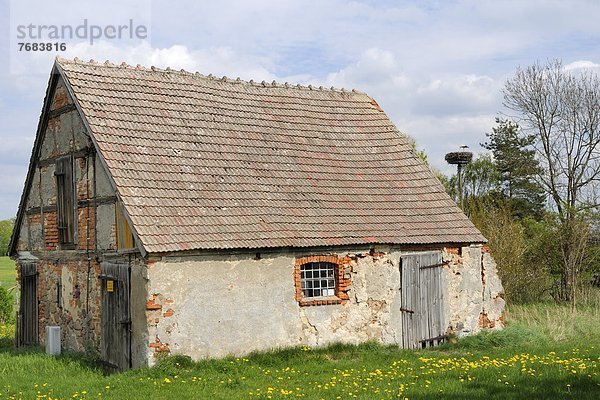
(168, 313)
(83, 241)
(485, 322)
(342, 280)
(453, 250)
(152, 305)
(306, 303)
(158, 346)
(50, 231)
(82, 186)
(85, 219)
(34, 218)
(453, 256)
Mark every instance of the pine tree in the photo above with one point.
(515, 161)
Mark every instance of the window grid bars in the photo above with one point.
(318, 279)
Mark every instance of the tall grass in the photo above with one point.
(8, 294)
(558, 323)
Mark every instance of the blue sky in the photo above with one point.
(436, 67)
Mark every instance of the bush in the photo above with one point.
(7, 314)
(525, 278)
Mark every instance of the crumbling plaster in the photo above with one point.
(474, 293)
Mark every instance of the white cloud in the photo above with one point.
(581, 65)
(375, 68)
(440, 112)
(216, 60)
(457, 95)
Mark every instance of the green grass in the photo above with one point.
(8, 273)
(545, 352)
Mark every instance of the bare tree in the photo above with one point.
(562, 110)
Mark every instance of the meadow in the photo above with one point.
(8, 273)
(546, 352)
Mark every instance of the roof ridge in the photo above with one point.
(224, 78)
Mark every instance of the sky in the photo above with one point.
(437, 68)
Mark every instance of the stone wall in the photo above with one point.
(69, 297)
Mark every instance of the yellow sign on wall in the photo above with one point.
(110, 286)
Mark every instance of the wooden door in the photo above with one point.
(422, 299)
(116, 317)
(27, 329)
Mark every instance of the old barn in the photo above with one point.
(168, 211)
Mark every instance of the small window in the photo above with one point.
(318, 279)
(65, 201)
(321, 280)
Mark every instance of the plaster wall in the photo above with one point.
(218, 305)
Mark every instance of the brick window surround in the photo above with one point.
(341, 279)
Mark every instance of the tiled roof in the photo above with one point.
(207, 163)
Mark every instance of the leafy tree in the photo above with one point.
(480, 183)
(444, 180)
(562, 111)
(480, 177)
(420, 153)
(515, 161)
(6, 227)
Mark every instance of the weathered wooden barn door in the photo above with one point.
(27, 329)
(116, 317)
(422, 299)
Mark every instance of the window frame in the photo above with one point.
(341, 280)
